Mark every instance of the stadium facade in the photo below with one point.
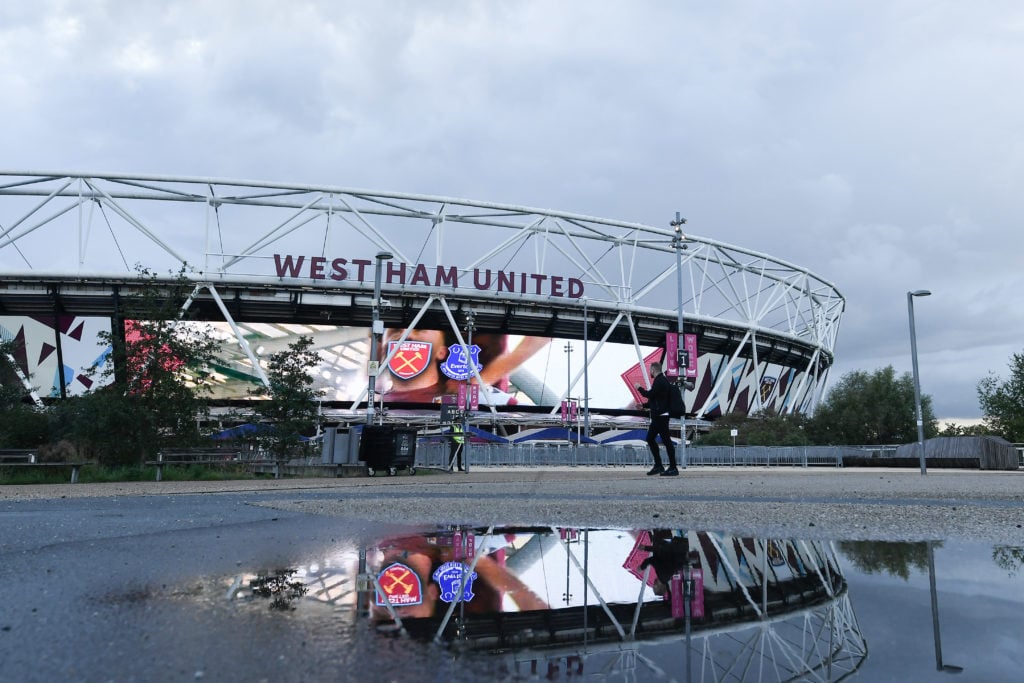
(561, 306)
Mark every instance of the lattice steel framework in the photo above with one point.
(782, 614)
(67, 238)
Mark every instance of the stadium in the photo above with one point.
(551, 306)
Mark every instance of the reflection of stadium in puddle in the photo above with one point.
(550, 601)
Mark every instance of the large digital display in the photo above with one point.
(422, 366)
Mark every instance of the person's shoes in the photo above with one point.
(657, 469)
(670, 472)
(461, 469)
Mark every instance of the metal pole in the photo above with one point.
(939, 665)
(586, 374)
(917, 380)
(568, 390)
(376, 330)
(677, 242)
(688, 590)
(470, 318)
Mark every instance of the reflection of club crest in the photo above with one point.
(456, 365)
(449, 577)
(775, 557)
(410, 359)
(401, 585)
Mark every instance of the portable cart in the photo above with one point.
(383, 447)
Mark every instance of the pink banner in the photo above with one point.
(672, 355)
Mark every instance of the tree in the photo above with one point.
(764, 428)
(892, 557)
(156, 376)
(22, 424)
(965, 430)
(291, 407)
(871, 409)
(1002, 402)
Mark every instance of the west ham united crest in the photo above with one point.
(410, 359)
(457, 365)
(449, 576)
(401, 585)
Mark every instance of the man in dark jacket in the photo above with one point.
(658, 400)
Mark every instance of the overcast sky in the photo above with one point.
(878, 144)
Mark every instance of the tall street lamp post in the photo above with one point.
(375, 332)
(568, 391)
(586, 374)
(467, 354)
(917, 379)
(677, 242)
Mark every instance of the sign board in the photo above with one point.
(676, 361)
(455, 581)
(636, 557)
(636, 375)
(677, 591)
(474, 396)
(401, 585)
(449, 413)
(410, 358)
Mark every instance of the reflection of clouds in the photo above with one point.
(970, 570)
(979, 632)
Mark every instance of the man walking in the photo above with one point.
(658, 401)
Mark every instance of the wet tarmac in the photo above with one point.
(156, 582)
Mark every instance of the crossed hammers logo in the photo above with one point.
(407, 362)
(398, 576)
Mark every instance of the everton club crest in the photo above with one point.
(449, 576)
(401, 585)
(409, 359)
(457, 365)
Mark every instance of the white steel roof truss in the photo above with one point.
(36, 208)
(272, 236)
(783, 301)
(138, 224)
(639, 354)
(590, 583)
(238, 334)
(520, 236)
(11, 239)
(591, 268)
(726, 374)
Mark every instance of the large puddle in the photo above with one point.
(461, 603)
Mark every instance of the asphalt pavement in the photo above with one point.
(130, 581)
(830, 503)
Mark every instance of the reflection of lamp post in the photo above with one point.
(917, 380)
(471, 367)
(375, 331)
(939, 666)
(677, 242)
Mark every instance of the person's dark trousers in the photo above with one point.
(454, 453)
(659, 427)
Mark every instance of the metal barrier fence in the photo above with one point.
(435, 455)
(794, 456)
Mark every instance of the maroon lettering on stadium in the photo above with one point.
(396, 273)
